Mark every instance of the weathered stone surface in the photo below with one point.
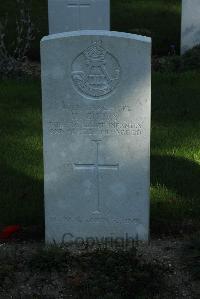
(96, 125)
(190, 32)
(71, 15)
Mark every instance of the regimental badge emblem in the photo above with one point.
(95, 72)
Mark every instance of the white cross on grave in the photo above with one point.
(96, 167)
(79, 5)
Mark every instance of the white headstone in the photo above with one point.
(96, 127)
(190, 32)
(72, 15)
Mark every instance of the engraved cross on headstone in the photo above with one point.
(96, 167)
(78, 5)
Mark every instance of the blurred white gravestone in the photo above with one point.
(72, 15)
(96, 133)
(190, 32)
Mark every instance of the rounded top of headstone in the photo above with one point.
(131, 36)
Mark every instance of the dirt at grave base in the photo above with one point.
(30, 284)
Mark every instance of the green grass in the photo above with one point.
(175, 151)
(159, 18)
(175, 147)
(21, 165)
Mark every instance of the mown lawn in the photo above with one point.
(175, 151)
(21, 165)
(159, 18)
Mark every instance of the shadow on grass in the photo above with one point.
(21, 165)
(178, 174)
(175, 99)
(175, 196)
(138, 16)
(21, 198)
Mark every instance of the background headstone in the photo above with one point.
(190, 32)
(96, 127)
(70, 15)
